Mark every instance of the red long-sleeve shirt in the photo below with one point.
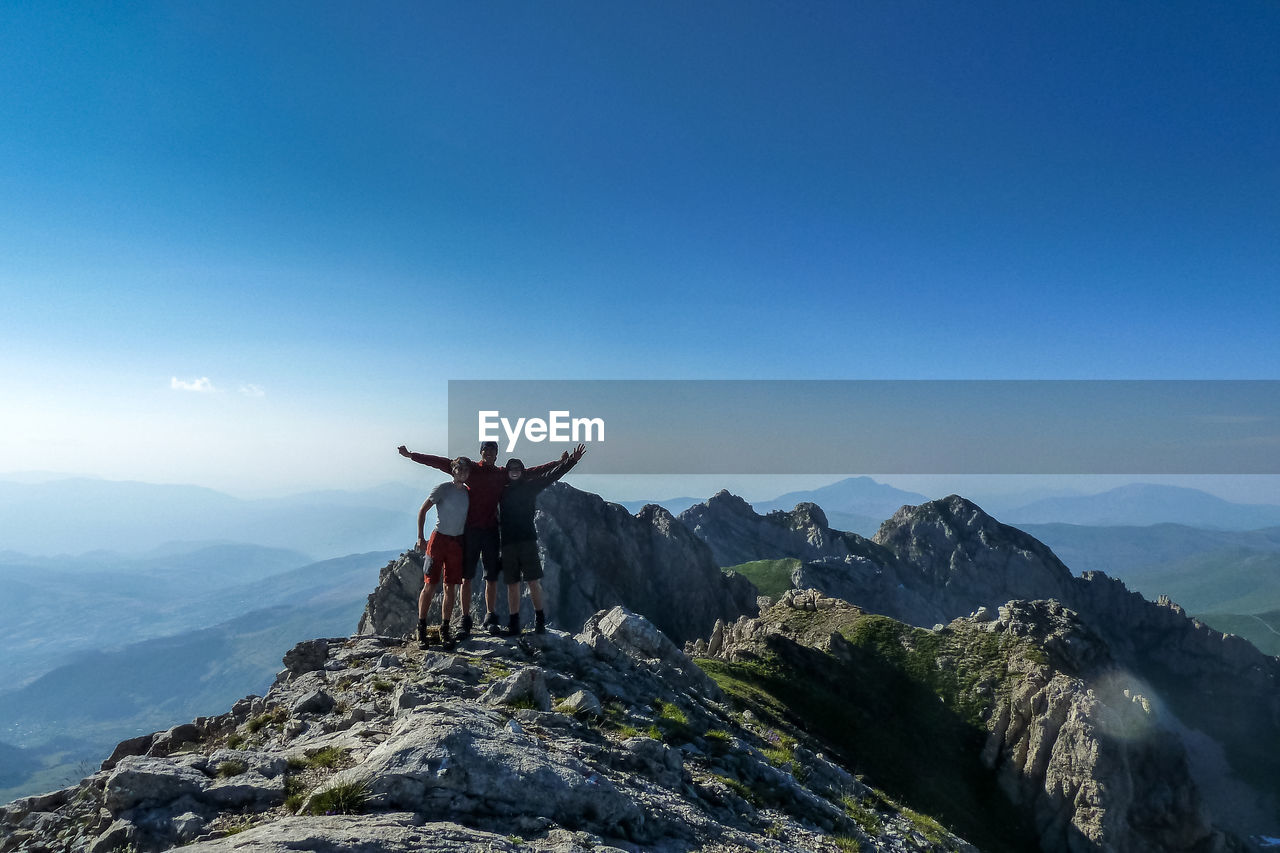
(486, 483)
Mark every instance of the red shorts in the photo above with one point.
(445, 555)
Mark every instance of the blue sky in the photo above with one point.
(328, 210)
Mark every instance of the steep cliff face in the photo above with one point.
(611, 740)
(596, 555)
(1035, 706)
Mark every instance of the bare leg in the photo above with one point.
(466, 598)
(425, 598)
(513, 597)
(491, 596)
(535, 592)
(446, 606)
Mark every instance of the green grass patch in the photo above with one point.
(617, 721)
(234, 767)
(383, 686)
(771, 577)
(926, 826)
(235, 740)
(718, 741)
(862, 814)
(671, 722)
(670, 712)
(274, 717)
(347, 798)
(741, 789)
(295, 793)
(328, 758)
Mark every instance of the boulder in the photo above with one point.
(306, 656)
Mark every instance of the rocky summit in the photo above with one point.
(611, 739)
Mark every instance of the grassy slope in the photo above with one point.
(900, 704)
(771, 577)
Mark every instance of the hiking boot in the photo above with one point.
(446, 638)
(491, 623)
(513, 625)
(465, 630)
(422, 631)
(539, 622)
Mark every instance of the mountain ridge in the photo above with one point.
(1044, 678)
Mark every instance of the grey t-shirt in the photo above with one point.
(451, 505)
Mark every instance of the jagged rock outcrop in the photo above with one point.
(961, 559)
(944, 559)
(737, 534)
(1080, 753)
(609, 740)
(595, 555)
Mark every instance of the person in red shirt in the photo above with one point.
(480, 540)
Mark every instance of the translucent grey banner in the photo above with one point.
(876, 426)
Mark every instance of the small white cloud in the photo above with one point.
(202, 384)
(251, 390)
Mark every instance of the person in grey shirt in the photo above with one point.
(443, 551)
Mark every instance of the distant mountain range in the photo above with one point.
(76, 516)
(83, 515)
(1142, 504)
(854, 495)
(864, 503)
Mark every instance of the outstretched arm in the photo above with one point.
(559, 469)
(539, 472)
(422, 520)
(426, 459)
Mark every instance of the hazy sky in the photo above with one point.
(246, 245)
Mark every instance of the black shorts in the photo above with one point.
(481, 543)
(520, 562)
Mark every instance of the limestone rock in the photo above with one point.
(528, 685)
(582, 703)
(139, 780)
(306, 656)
